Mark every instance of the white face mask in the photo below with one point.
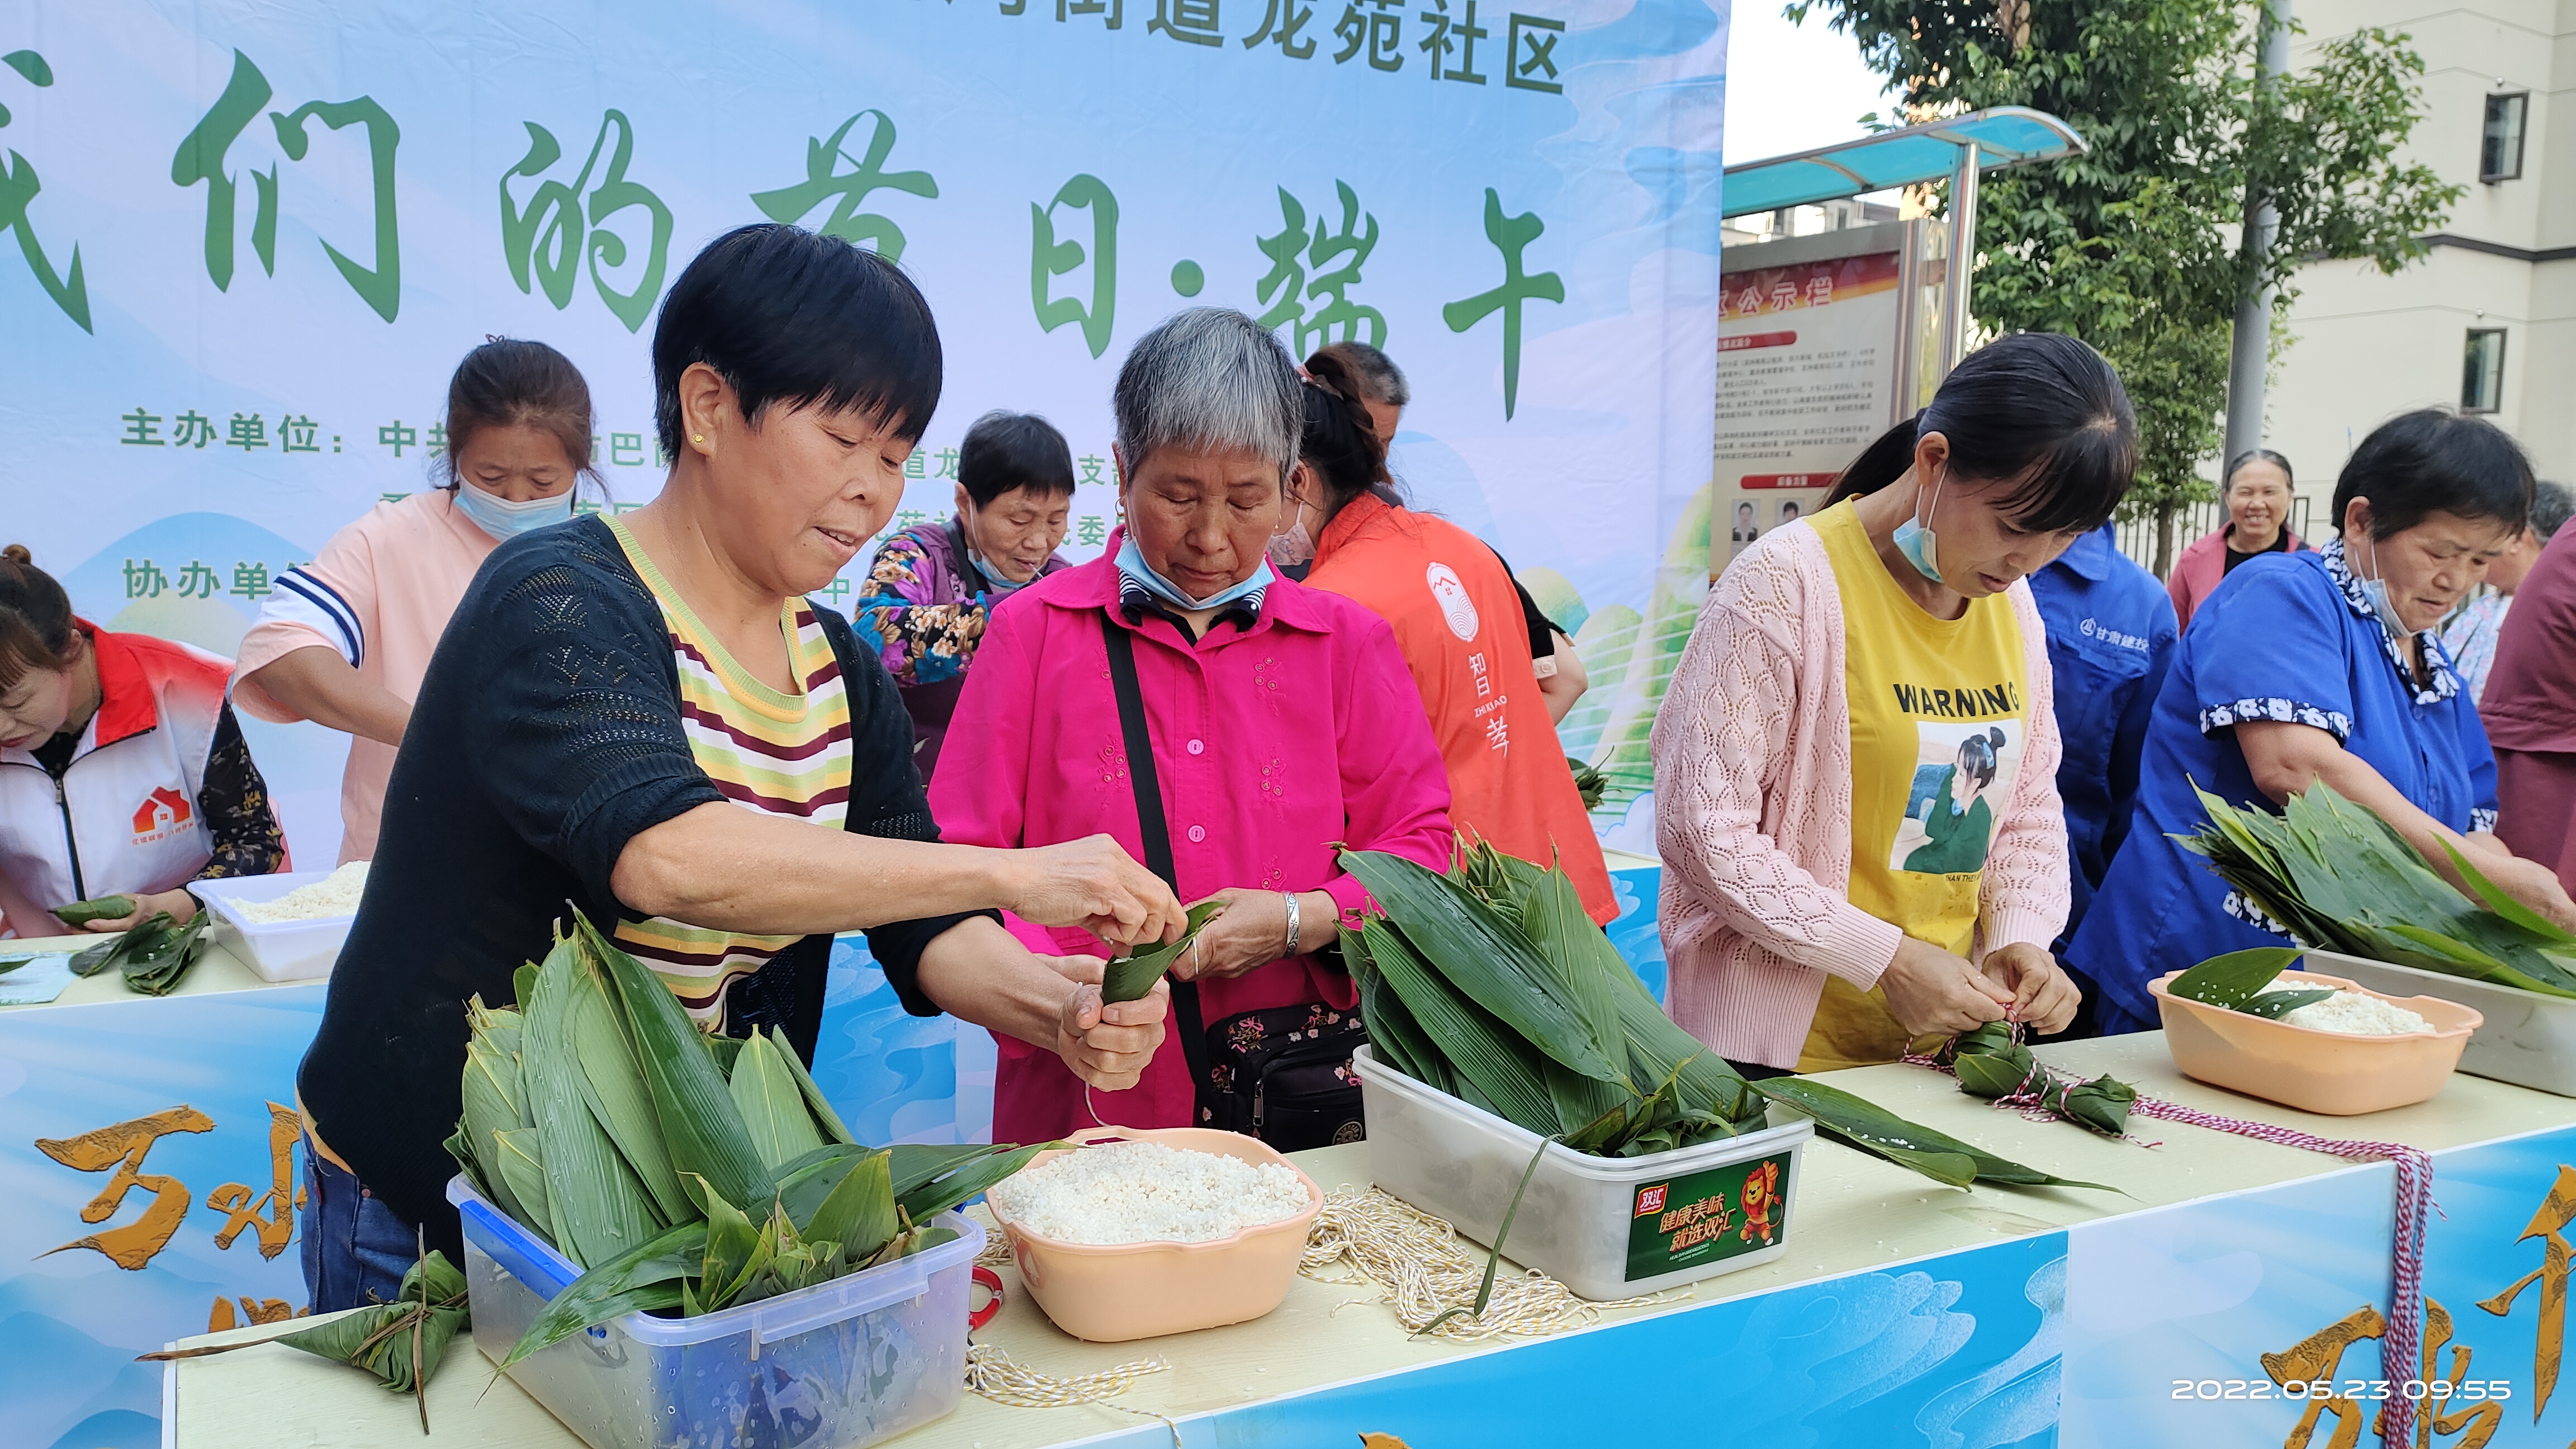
(2376, 591)
(505, 520)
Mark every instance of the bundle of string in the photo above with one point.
(1005, 1380)
(2398, 1348)
(1422, 1271)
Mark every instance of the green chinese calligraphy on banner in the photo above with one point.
(266, 230)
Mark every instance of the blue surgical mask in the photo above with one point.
(998, 585)
(505, 520)
(1131, 562)
(1916, 541)
(2376, 591)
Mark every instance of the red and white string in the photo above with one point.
(2399, 1349)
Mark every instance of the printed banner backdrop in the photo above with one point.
(252, 240)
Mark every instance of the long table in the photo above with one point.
(1903, 1312)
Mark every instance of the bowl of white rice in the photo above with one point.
(1137, 1233)
(2356, 1051)
(289, 926)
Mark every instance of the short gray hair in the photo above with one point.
(1381, 381)
(2551, 505)
(1209, 378)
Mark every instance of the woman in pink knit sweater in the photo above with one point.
(1870, 682)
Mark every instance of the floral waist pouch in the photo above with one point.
(1283, 1074)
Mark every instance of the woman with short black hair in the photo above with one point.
(2303, 667)
(932, 588)
(1836, 883)
(645, 718)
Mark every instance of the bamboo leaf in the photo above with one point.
(1487, 960)
(701, 1126)
(522, 1167)
(824, 1117)
(1129, 976)
(523, 982)
(1865, 1124)
(613, 1086)
(939, 1194)
(2235, 978)
(641, 1280)
(1503, 1065)
(732, 1242)
(772, 1106)
(102, 908)
(2505, 905)
(599, 1208)
(859, 1213)
(2273, 1005)
(1494, 1255)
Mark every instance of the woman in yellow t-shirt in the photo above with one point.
(1855, 764)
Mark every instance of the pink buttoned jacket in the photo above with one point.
(1274, 746)
(1753, 809)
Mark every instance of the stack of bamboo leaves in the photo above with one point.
(1491, 984)
(681, 1171)
(2340, 879)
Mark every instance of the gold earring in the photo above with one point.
(697, 437)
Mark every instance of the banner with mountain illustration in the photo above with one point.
(253, 237)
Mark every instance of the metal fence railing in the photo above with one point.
(2137, 537)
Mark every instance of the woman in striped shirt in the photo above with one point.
(646, 719)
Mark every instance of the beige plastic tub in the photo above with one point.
(2332, 1073)
(1146, 1290)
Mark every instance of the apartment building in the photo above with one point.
(2487, 321)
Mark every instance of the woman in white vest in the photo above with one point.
(122, 770)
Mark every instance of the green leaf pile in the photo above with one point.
(679, 1171)
(2342, 880)
(154, 955)
(1490, 984)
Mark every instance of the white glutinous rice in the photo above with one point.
(2353, 1013)
(1145, 1192)
(335, 894)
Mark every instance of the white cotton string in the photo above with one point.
(1421, 1271)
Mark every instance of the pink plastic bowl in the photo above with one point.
(2330, 1073)
(1146, 1290)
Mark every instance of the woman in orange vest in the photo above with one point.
(1457, 619)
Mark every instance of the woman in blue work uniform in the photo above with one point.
(2323, 666)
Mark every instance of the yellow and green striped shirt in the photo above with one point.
(780, 754)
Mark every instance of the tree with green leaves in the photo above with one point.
(2132, 245)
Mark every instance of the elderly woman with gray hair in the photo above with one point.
(1226, 725)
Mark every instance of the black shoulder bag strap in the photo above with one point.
(1156, 831)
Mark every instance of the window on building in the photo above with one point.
(2482, 371)
(2500, 147)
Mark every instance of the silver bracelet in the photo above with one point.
(1292, 924)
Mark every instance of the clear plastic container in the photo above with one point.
(854, 1361)
(1606, 1227)
(280, 951)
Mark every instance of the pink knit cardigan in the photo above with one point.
(1753, 809)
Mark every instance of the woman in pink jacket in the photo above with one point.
(2257, 490)
(1281, 722)
(346, 639)
(1855, 765)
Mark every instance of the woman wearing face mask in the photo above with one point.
(1826, 700)
(1457, 618)
(1277, 726)
(122, 770)
(933, 586)
(648, 719)
(345, 639)
(2257, 490)
(2324, 666)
